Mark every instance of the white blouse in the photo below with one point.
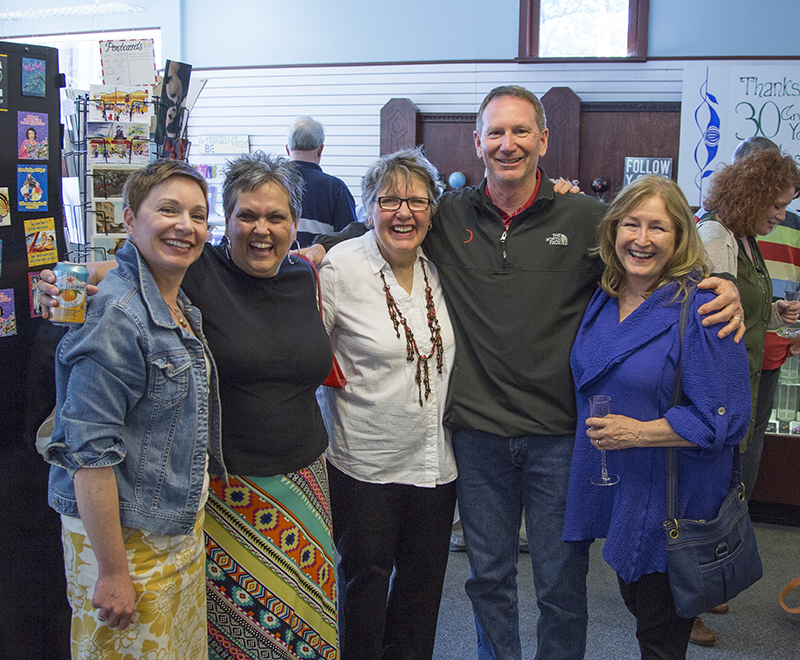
(378, 431)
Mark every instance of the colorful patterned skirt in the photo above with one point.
(167, 574)
(270, 580)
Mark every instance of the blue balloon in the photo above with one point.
(457, 180)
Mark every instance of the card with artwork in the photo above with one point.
(34, 295)
(34, 81)
(32, 136)
(5, 208)
(108, 181)
(172, 108)
(104, 247)
(118, 142)
(8, 319)
(3, 82)
(40, 241)
(129, 103)
(108, 217)
(31, 187)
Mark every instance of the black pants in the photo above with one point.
(662, 634)
(381, 529)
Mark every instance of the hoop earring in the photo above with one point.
(289, 254)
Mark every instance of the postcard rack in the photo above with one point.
(98, 168)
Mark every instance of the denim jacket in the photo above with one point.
(133, 393)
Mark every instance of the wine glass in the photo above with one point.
(600, 406)
(791, 292)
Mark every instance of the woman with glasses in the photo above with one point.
(391, 466)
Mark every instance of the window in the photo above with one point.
(583, 28)
(79, 54)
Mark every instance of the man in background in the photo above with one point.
(327, 203)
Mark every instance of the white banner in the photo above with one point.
(723, 105)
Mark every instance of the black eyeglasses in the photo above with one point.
(413, 203)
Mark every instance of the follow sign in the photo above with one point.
(636, 166)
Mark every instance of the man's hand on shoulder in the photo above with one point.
(562, 186)
(315, 253)
(725, 308)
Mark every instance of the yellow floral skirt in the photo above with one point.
(168, 577)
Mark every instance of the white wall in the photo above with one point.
(713, 28)
(255, 32)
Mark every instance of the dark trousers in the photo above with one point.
(381, 529)
(662, 634)
(751, 459)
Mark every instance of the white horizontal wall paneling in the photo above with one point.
(263, 102)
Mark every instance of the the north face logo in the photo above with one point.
(558, 239)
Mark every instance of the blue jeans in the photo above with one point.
(497, 476)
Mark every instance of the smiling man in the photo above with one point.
(514, 261)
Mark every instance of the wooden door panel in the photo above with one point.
(609, 134)
(449, 144)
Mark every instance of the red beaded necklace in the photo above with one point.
(412, 351)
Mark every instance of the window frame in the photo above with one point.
(529, 12)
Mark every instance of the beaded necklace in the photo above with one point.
(177, 311)
(412, 351)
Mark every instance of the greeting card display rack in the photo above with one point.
(93, 207)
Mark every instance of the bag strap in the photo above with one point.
(677, 390)
(789, 587)
(672, 454)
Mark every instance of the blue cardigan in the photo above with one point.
(634, 362)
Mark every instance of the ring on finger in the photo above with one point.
(737, 319)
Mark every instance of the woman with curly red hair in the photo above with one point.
(746, 199)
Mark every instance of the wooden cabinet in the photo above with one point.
(779, 472)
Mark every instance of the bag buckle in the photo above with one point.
(673, 533)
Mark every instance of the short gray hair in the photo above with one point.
(306, 134)
(517, 92)
(404, 165)
(251, 171)
(753, 144)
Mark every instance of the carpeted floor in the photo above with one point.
(757, 628)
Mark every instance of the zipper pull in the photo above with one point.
(503, 245)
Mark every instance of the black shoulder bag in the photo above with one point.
(708, 561)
